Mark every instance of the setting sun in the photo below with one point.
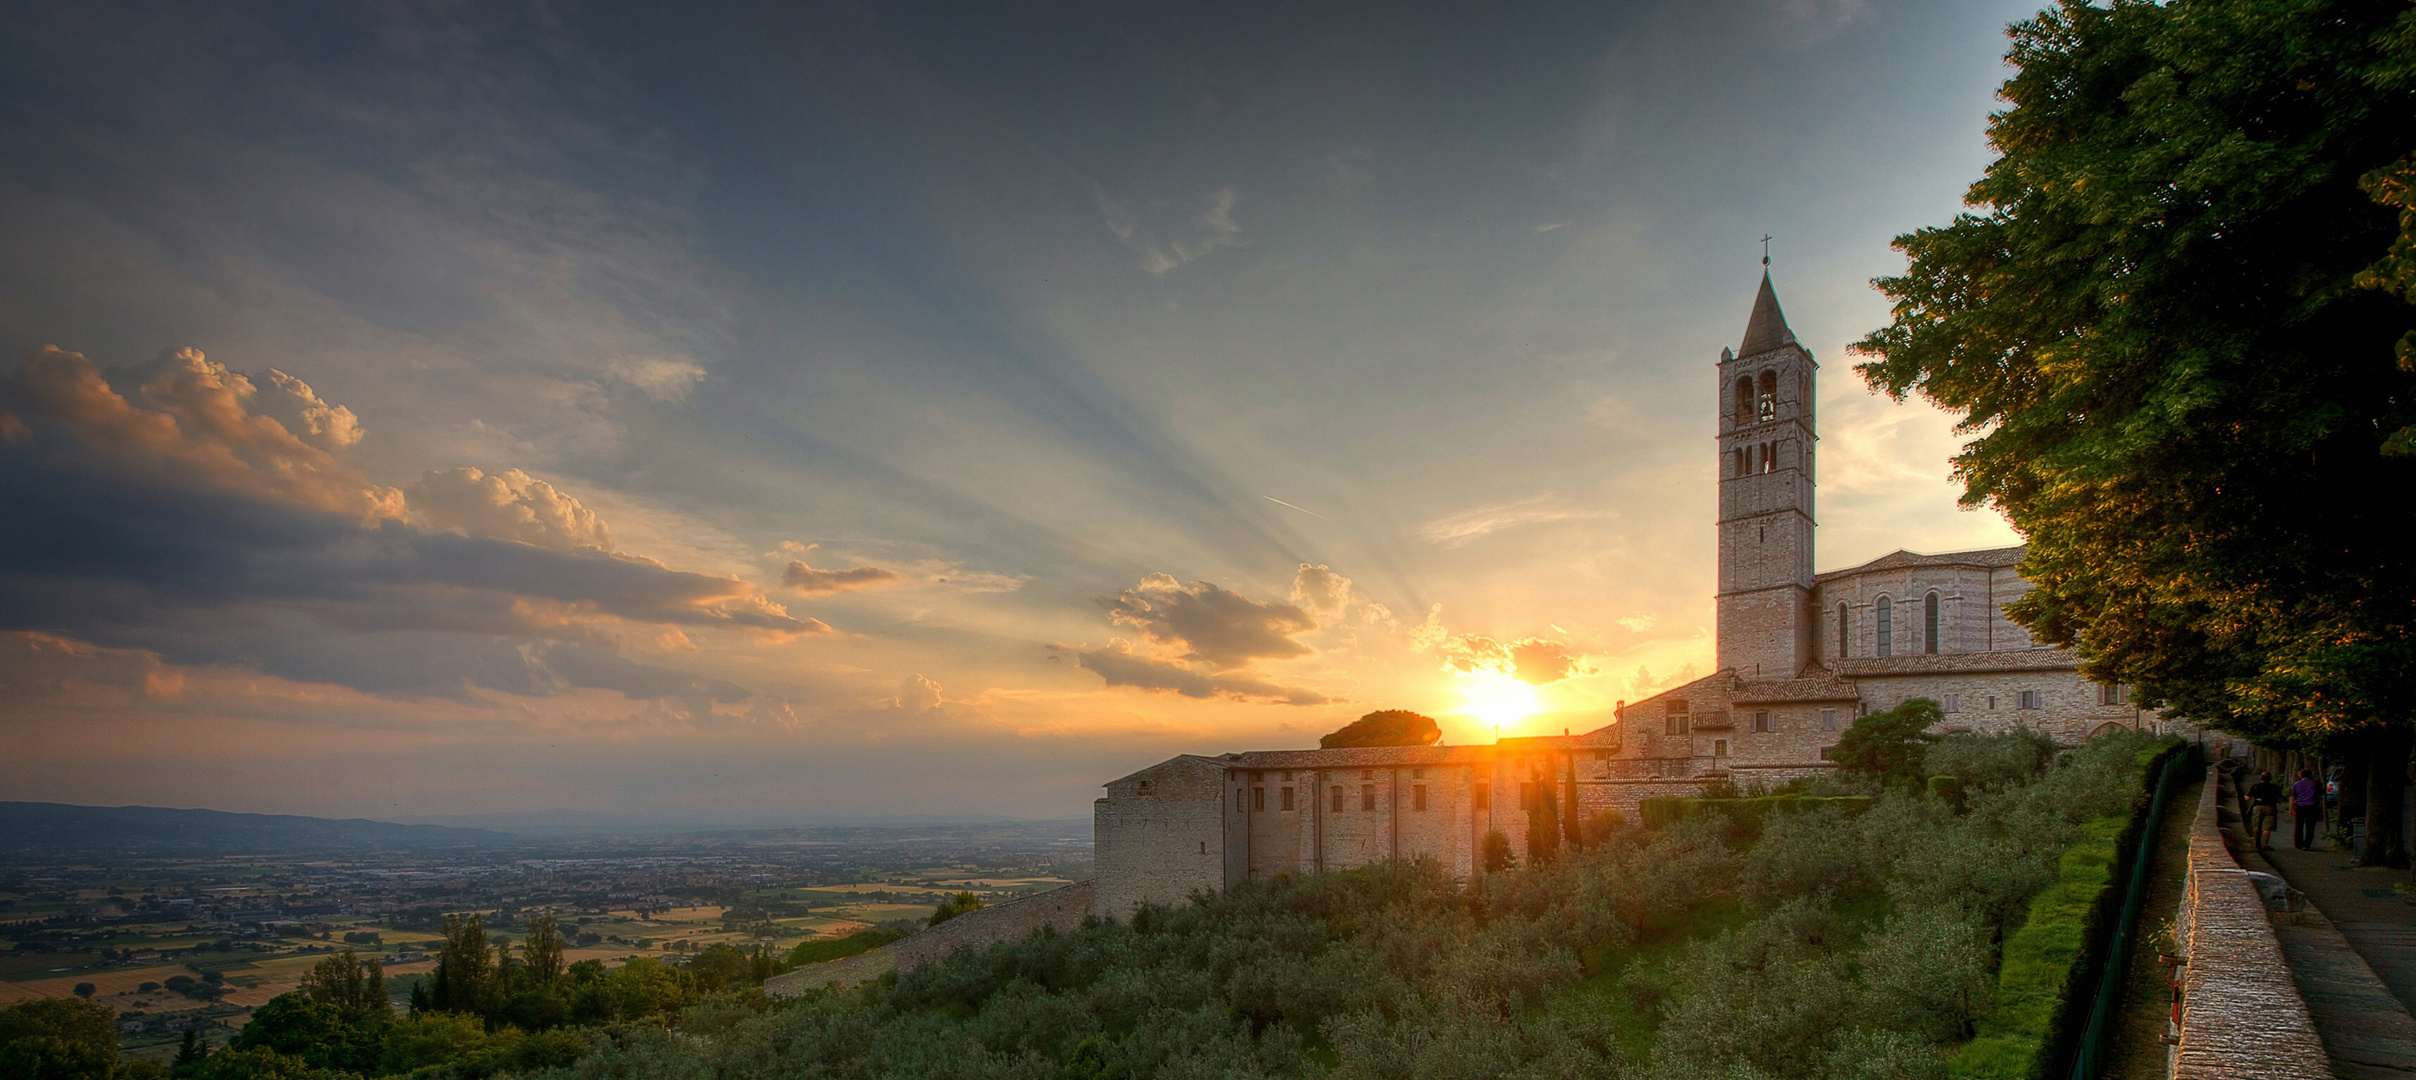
(1499, 699)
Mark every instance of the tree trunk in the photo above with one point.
(2353, 783)
(2386, 786)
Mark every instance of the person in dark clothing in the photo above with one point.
(2306, 810)
(2264, 805)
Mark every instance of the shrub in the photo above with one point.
(1990, 761)
(1948, 790)
(2043, 977)
(1814, 851)
(955, 906)
(1497, 854)
(1742, 818)
(825, 949)
(1927, 973)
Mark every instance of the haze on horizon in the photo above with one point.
(759, 410)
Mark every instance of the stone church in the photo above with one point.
(1801, 654)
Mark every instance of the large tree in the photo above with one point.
(2170, 320)
(1386, 727)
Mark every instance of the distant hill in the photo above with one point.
(44, 830)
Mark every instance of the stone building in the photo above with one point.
(1800, 655)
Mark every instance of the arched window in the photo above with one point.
(1744, 402)
(1887, 626)
(1767, 406)
(1929, 623)
(1845, 632)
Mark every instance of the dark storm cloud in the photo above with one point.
(1120, 667)
(193, 527)
(1211, 624)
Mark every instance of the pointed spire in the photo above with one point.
(1767, 329)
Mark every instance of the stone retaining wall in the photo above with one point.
(1063, 908)
(2241, 1012)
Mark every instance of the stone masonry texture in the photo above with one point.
(2241, 1013)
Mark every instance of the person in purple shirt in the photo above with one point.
(2306, 809)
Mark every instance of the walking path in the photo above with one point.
(2353, 954)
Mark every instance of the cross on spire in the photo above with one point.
(1765, 249)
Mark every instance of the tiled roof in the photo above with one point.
(1353, 757)
(1987, 558)
(1816, 685)
(1767, 329)
(2003, 660)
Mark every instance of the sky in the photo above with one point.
(822, 411)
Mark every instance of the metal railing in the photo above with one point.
(2088, 1059)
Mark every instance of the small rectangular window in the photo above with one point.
(1287, 798)
(2030, 699)
(1337, 798)
(1484, 797)
(1954, 703)
(1719, 748)
(1367, 796)
(1824, 752)
(1258, 798)
(2113, 694)
(1828, 719)
(1992, 703)
(1526, 796)
(1241, 801)
(1417, 796)
(1761, 721)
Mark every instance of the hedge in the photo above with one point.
(1745, 815)
(2050, 964)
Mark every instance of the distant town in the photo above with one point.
(171, 943)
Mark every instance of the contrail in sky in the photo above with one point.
(1302, 509)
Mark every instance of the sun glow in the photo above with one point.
(1498, 699)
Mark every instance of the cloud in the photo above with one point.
(199, 531)
(198, 432)
(292, 403)
(1120, 667)
(1210, 624)
(1537, 661)
(806, 579)
(1455, 529)
(1214, 225)
(1321, 592)
(509, 505)
(1328, 599)
(42, 665)
(663, 378)
(916, 694)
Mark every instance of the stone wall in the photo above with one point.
(1987, 702)
(2241, 1011)
(1160, 836)
(1063, 908)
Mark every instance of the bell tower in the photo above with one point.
(1766, 624)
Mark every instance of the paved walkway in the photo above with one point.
(2354, 957)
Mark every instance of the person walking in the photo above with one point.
(2306, 810)
(2265, 805)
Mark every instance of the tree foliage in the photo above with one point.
(1386, 727)
(58, 1039)
(954, 906)
(2177, 321)
(1889, 744)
